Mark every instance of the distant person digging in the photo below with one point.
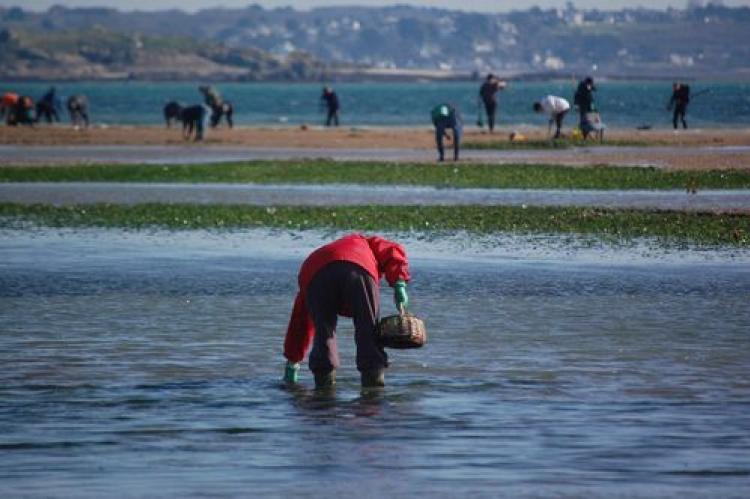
(78, 108)
(219, 107)
(20, 110)
(8, 106)
(47, 107)
(194, 119)
(556, 108)
(172, 112)
(447, 117)
(17, 109)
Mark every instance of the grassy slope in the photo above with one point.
(612, 225)
(444, 175)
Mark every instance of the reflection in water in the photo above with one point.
(324, 405)
(153, 363)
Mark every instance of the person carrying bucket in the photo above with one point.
(447, 117)
(342, 278)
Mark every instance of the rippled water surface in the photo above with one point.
(142, 364)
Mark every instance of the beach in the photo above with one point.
(700, 149)
(147, 280)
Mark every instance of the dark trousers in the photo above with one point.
(216, 113)
(222, 110)
(344, 285)
(46, 111)
(441, 126)
(558, 122)
(490, 106)
(585, 124)
(679, 115)
(333, 116)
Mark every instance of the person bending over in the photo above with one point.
(556, 108)
(47, 106)
(78, 108)
(194, 118)
(445, 117)
(342, 278)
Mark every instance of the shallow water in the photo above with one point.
(138, 363)
(126, 193)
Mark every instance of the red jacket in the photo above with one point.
(376, 255)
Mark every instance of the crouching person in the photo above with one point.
(194, 118)
(78, 108)
(445, 117)
(342, 278)
(556, 108)
(172, 112)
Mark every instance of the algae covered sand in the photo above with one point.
(381, 173)
(667, 227)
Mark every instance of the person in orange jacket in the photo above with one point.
(17, 109)
(342, 278)
(8, 106)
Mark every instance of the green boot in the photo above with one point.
(325, 380)
(291, 373)
(373, 378)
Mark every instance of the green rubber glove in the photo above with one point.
(291, 372)
(399, 295)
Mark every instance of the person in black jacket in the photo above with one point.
(487, 93)
(679, 101)
(584, 101)
(195, 118)
(47, 106)
(331, 100)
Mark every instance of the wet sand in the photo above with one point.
(127, 193)
(691, 149)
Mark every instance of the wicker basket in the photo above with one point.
(403, 330)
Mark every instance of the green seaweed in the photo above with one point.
(438, 175)
(669, 227)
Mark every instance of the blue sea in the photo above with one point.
(622, 104)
